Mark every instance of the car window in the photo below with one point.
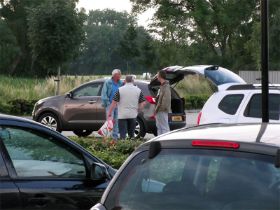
(88, 90)
(230, 103)
(254, 107)
(35, 155)
(196, 179)
(220, 77)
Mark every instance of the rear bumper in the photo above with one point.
(150, 124)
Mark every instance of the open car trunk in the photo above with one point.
(177, 103)
(216, 75)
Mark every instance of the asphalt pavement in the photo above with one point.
(191, 118)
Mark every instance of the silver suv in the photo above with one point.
(214, 167)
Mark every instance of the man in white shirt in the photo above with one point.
(129, 99)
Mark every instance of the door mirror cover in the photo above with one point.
(69, 95)
(99, 172)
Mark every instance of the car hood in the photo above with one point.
(216, 74)
(51, 98)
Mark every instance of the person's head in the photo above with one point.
(129, 79)
(116, 75)
(161, 76)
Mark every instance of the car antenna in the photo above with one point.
(154, 150)
(277, 160)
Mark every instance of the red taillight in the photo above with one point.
(151, 99)
(222, 144)
(199, 118)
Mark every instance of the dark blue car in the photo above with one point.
(41, 169)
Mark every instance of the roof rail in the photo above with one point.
(251, 87)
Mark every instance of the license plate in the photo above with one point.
(177, 118)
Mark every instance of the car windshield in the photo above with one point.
(223, 76)
(197, 179)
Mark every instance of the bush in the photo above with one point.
(113, 154)
(17, 107)
(195, 101)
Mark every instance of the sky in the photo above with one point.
(118, 5)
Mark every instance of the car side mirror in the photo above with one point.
(69, 95)
(99, 172)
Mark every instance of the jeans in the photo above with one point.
(115, 133)
(162, 123)
(127, 126)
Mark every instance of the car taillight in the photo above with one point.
(217, 144)
(199, 118)
(151, 99)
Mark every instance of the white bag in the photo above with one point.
(106, 129)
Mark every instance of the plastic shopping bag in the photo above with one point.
(106, 129)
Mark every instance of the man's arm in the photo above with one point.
(115, 101)
(142, 101)
(104, 96)
(160, 99)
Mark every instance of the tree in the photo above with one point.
(102, 52)
(55, 31)
(9, 49)
(104, 31)
(14, 13)
(129, 48)
(222, 26)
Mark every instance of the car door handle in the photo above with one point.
(92, 102)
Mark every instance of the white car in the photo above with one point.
(239, 103)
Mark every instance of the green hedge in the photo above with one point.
(195, 101)
(113, 154)
(17, 107)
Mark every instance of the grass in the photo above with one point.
(194, 85)
(32, 89)
(18, 95)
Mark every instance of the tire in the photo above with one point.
(140, 131)
(82, 133)
(50, 120)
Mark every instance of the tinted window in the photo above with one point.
(254, 108)
(231, 103)
(34, 155)
(88, 90)
(222, 76)
(196, 179)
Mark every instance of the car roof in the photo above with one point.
(15, 118)
(247, 133)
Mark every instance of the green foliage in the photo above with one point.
(111, 43)
(14, 14)
(195, 101)
(55, 31)
(9, 49)
(113, 154)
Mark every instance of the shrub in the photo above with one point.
(195, 101)
(113, 154)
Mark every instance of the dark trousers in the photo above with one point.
(127, 126)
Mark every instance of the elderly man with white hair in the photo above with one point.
(109, 89)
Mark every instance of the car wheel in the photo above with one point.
(82, 133)
(50, 120)
(139, 129)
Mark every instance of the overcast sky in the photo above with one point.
(118, 5)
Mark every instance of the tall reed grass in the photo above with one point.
(32, 89)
